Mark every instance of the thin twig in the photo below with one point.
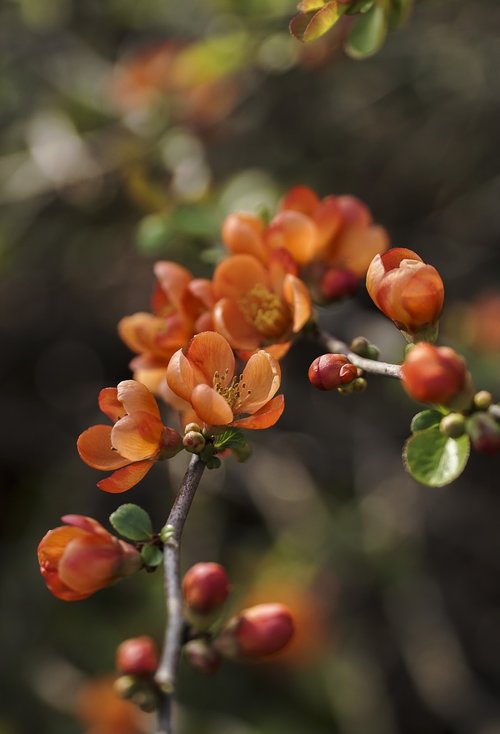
(166, 673)
(372, 366)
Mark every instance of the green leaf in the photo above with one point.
(361, 6)
(132, 522)
(433, 459)
(368, 34)
(426, 419)
(151, 555)
(307, 27)
(232, 438)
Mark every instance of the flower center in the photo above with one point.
(233, 392)
(266, 311)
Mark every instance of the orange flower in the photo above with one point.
(81, 557)
(204, 376)
(181, 307)
(436, 375)
(257, 306)
(406, 290)
(137, 439)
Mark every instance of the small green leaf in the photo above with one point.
(433, 459)
(232, 438)
(167, 532)
(132, 522)
(368, 34)
(151, 555)
(425, 419)
(307, 27)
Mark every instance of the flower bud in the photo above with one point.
(171, 443)
(256, 632)
(192, 427)
(194, 442)
(331, 371)
(205, 587)
(137, 656)
(202, 656)
(484, 432)
(406, 290)
(81, 557)
(436, 375)
(337, 284)
(453, 425)
(482, 400)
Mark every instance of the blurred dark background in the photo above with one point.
(104, 169)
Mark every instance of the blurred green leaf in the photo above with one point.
(399, 11)
(368, 34)
(151, 555)
(425, 419)
(132, 522)
(433, 459)
(361, 6)
(307, 27)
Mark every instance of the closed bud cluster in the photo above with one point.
(256, 632)
(331, 371)
(407, 291)
(194, 442)
(205, 587)
(484, 432)
(360, 345)
(482, 400)
(436, 375)
(137, 656)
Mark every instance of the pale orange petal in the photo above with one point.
(242, 234)
(142, 331)
(261, 377)
(210, 406)
(180, 377)
(173, 279)
(53, 543)
(265, 417)
(328, 219)
(89, 563)
(296, 232)
(238, 275)
(125, 478)
(137, 436)
(135, 396)
(277, 351)
(109, 403)
(202, 289)
(209, 353)
(151, 377)
(85, 523)
(170, 397)
(300, 199)
(356, 247)
(298, 297)
(230, 322)
(95, 449)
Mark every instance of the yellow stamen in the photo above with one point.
(266, 311)
(234, 393)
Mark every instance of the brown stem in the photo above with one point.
(167, 670)
(372, 366)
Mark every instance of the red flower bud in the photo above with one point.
(331, 371)
(81, 557)
(137, 656)
(435, 375)
(205, 587)
(336, 284)
(256, 632)
(405, 289)
(484, 432)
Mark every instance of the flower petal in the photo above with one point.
(237, 275)
(85, 523)
(300, 199)
(125, 478)
(265, 417)
(136, 397)
(261, 377)
(209, 353)
(173, 279)
(295, 232)
(180, 377)
(242, 234)
(230, 322)
(110, 405)
(357, 246)
(95, 449)
(53, 544)
(89, 563)
(137, 436)
(210, 406)
(298, 297)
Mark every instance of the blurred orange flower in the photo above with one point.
(136, 440)
(181, 307)
(102, 711)
(81, 557)
(260, 306)
(203, 375)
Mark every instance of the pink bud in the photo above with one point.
(256, 632)
(137, 656)
(205, 587)
(331, 371)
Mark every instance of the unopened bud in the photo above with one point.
(484, 433)
(331, 371)
(125, 686)
(256, 632)
(483, 399)
(436, 375)
(360, 345)
(202, 656)
(171, 443)
(337, 284)
(205, 587)
(137, 656)
(194, 442)
(359, 384)
(192, 427)
(453, 425)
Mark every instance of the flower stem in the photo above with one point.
(371, 366)
(167, 670)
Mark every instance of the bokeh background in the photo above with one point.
(112, 156)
